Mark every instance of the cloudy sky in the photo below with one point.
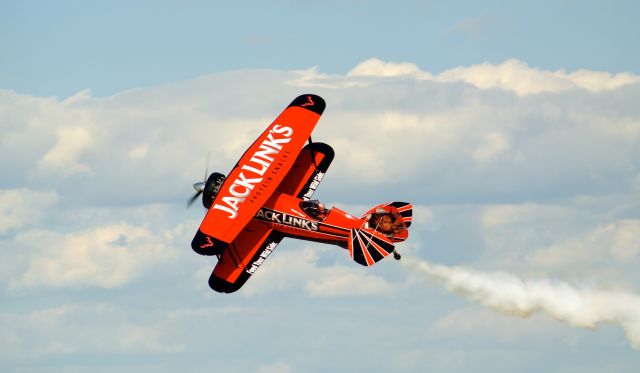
(514, 131)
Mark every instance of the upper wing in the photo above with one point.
(261, 169)
(256, 241)
(307, 171)
(243, 257)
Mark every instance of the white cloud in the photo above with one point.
(377, 67)
(278, 367)
(475, 321)
(314, 78)
(517, 76)
(299, 270)
(539, 166)
(381, 126)
(104, 256)
(64, 157)
(599, 80)
(139, 152)
(76, 329)
(495, 216)
(511, 75)
(578, 239)
(618, 241)
(23, 207)
(339, 281)
(491, 147)
(78, 98)
(398, 132)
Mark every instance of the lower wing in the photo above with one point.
(243, 257)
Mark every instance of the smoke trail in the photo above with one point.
(512, 296)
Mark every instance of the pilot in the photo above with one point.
(388, 221)
(385, 223)
(315, 209)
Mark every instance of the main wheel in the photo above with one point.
(211, 188)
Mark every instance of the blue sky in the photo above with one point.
(513, 129)
(61, 47)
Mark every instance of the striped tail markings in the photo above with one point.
(366, 247)
(406, 211)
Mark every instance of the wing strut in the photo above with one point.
(313, 153)
(233, 257)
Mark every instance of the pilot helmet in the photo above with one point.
(313, 208)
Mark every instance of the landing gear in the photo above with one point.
(396, 255)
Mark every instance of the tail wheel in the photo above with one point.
(211, 188)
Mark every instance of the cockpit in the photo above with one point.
(387, 222)
(315, 209)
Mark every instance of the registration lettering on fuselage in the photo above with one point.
(282, 218)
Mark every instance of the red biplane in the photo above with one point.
(267, 197)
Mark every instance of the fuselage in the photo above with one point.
(282, 212)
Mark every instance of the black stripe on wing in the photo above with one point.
(310, 102)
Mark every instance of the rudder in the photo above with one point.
(390, 219)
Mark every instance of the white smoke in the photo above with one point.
(505, 293)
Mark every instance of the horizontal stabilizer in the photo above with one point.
(367, 247)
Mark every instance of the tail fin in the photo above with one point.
(406, 211)
(384, 225)
(391, 219)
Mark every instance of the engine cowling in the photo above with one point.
(212, 188)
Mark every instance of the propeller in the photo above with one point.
(313, 154)
(199, 186)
